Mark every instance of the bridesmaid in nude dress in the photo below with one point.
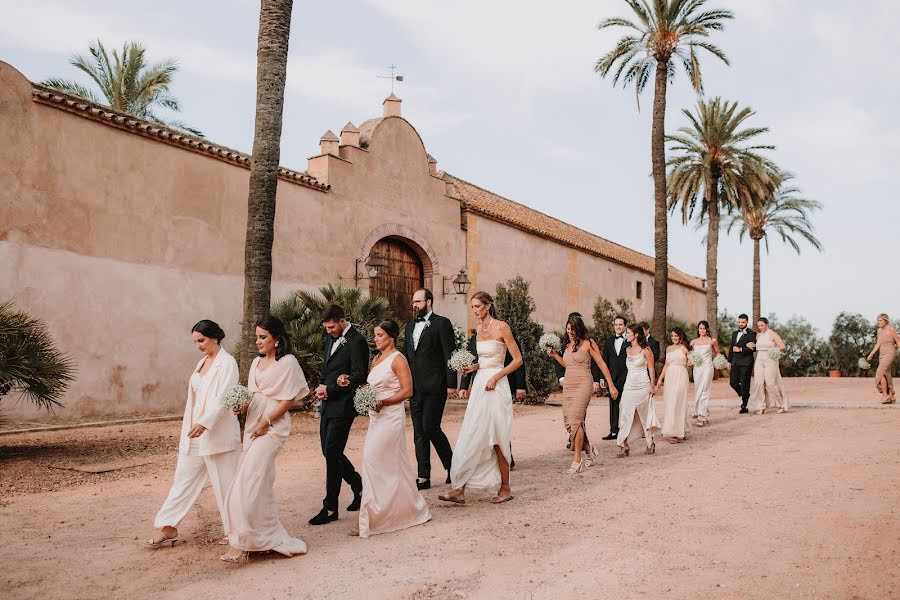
(576, 359)
(677, 411)
(885, 344)
(768, 389)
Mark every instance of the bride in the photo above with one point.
(481, 457)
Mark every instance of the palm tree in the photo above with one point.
(784, 213)
(127, 82)
(271, 73)
(716, 170)
(666, 32)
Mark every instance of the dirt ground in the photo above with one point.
(799, 505)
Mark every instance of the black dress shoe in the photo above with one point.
(423, 485)
(357, 500)
(610, 436)
(325, 516)
(448, 479)
(743, 410)
(512, 462)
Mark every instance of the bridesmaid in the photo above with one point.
(767, 389)
(677, 415)
(708, 348)
(637, 411)
(885, 344)
(390, 498)
(210, 437)
(576, 359)
(276, 381)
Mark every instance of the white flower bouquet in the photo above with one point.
(695, 358)
(864, 364)
(776, 354)
(459, 334)
(365, 399)
(461, 359)
(550, 340)
(235, 397)
(720, 362)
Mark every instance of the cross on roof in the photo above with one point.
(392, 77)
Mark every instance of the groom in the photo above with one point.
(343, 370)
(429, 343)
(615, 356)
(743, 345)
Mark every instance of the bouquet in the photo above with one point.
(695, 358)
(235, 397)
(720, 362)
(365, 399)
(775, 354)
(550, 340)
(864, 364)
(459, 334)
(461, 359)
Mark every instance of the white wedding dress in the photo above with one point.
(487, 423)
(703, 376)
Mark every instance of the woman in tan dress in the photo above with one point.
(885, 344)
(767, 390)
(677, 411)
(577, 391)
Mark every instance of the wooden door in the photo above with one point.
(400, 279)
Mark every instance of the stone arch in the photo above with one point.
(412, 237)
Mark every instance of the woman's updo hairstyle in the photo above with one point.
(390, 327)
(276, 329)
(209, 329)
(486, 298)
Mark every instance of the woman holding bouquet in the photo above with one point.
(390, 499)
(636, 409)
(275, 382)
(576, 359)
(210, 441)
(767, 390)
(677, 415)
(706, 349)
(886, 345)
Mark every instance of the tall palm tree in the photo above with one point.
(784, 213)
(127, 82)
(271, 73)
(666, 32)
(715, 170)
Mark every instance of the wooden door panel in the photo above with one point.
(400, 279)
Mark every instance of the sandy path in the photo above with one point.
(802, 505)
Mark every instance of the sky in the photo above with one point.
(504, 94)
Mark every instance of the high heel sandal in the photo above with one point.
(243, 556)
(576, 468)
(592, 456)
(165, 540)
(761, 411)
(651, 449)
(623, 452)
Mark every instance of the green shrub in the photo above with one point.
(852, 337)
(605, 313)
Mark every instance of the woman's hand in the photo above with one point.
(491, 384)
(659, 384)
(378, 406)
(261, 429)
(463, 394)
(470, 368)
(613, 392)
(239, 410)
(551, 352)
(196, 431)
(869, 357)
(343, 380)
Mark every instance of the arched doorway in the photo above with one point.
(398, 281)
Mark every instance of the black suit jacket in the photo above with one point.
(351, 358)
(516, 378)
(654, 347)
(561, 370)
(615, 362)
(428, 362)
(746, 356)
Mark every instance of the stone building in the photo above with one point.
(121, 234)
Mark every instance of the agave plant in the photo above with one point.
(30, 365)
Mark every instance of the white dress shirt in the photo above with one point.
(334, 345)
(419, 328)
(738, 338)
(618, 343)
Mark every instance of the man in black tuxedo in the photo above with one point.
(344, 369)
(652, 342)
(429, 342)
(741, 356)
(614, 356)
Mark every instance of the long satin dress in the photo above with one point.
(703, 376)
(251, 505)
(390, 499)
(637, 410)
(487, 423)
(577, 391)
(886, 353)
(768, 389)
(677, 411)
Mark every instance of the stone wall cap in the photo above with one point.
(329, 136)
(350, 128)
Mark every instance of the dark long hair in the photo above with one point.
(276, 329)
(638, 332)
(705, 324)
(580, 330)
(209, 329)
(390, 327)
(682, 337)
(486, 298)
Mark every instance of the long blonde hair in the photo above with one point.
(884, 316)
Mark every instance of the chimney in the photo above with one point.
(329, 142)
(432, 164)
(392, 106)
(350, 135)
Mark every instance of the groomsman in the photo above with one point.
(653, 343)
(429, 344)
(741, 356)
(345, 368)
(614, 356)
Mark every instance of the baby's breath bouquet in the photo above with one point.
(235, 397)
(550, 340)
(864, 364)
(459, 334)
(461, 359)
(720, 362)
(775, 354)
(365, 399)
(695, 358)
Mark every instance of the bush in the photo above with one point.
(852, 337)
(605, 313)
(515, 306)
(30, 365)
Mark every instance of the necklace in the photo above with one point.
(485, 329)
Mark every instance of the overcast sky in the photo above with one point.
(504, 95)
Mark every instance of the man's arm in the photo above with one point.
(467, 377)
(359, 361)
(448, 345)
(324, 360)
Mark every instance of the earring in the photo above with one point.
(276, 344)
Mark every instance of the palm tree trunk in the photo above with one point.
(757, 309)
(660, 216)
(712, 266)
(271, 72)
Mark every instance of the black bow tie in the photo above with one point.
(742, 331)
(335, 338)
(419, 319)
(620, 337)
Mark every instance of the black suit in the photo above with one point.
(742, 364)
(431, 379)
(350, 358)
(618, 369)
(653, 343)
